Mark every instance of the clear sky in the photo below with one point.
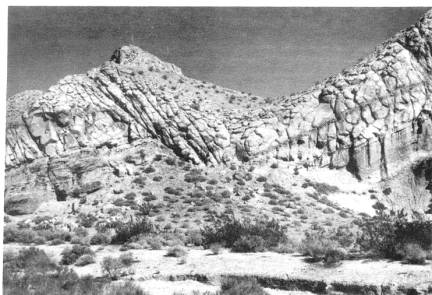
(267, 51)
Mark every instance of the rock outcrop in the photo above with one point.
(370, 119)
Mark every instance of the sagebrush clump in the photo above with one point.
(390, 234)
(124, 232)
(71, 255)
(245, 235)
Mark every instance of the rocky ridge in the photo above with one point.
(370, 119)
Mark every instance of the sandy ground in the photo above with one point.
(160, 287)
(153, 265)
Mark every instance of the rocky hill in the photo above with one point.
(373, 119)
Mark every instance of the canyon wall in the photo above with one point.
(372, 119)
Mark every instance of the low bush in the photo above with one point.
(334, 255)
(176, 251)
(327, 245)
(386, 234)
(71, 255)
(320, 187)
(124, 288)
(99, 239)
(13, 234)
(112, 267)
(241, 286)
(124, 232)
(31, 269)
(85, 260)
(81, 232)
(261, 179)
(56, 242)
(86, 220)
(140, 181)
(149, 169)
(229, 230)
(414, 254)
(194, 176)
(126, 259)
(29, 258)
(55, 234)
(171, 161)
(249, 243)
(215, 248)
(154, 242)
(157, 178)
(194, 237)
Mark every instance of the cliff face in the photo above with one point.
(370, 119)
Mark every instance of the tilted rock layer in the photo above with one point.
(368, 119)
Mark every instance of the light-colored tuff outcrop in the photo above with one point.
(368, 119)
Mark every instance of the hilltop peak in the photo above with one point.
(131, 55)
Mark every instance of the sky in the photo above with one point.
(266, 51)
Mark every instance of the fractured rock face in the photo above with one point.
(368, 119)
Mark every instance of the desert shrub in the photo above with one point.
(215, 248)
(126, 259)
(85, 260)
(129, 159)
(194, 176)
(86, 220)
(80, 231)
(272, 202)
(274, 165)
(225, 194)
(241, 286)
(13, 234)
(144, 209)
(334, 255)
(140, 180)
(71, 255)
(149, 169)
(228, 231)
(6, 219)
(194, 237)
(261, 179)
(343, 214)
(32, 269)
(55, 234)
(99, 239)
(328, 211)
(154, 242)
(327, 245)
(289, 246)
(40, 219)
(56, 242)
(130, 196)
(157, 178)
(32, 257)
(249, 243)
(414, 254)
(387, 233)
(124, 288)
(320, 187)
(171, 161)
(157, 158)
(345, 236)
(176, 251)
(212, 182)
(127, 230)
(120, 202)
(76, 240)
(172, 191)
(112, 267)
